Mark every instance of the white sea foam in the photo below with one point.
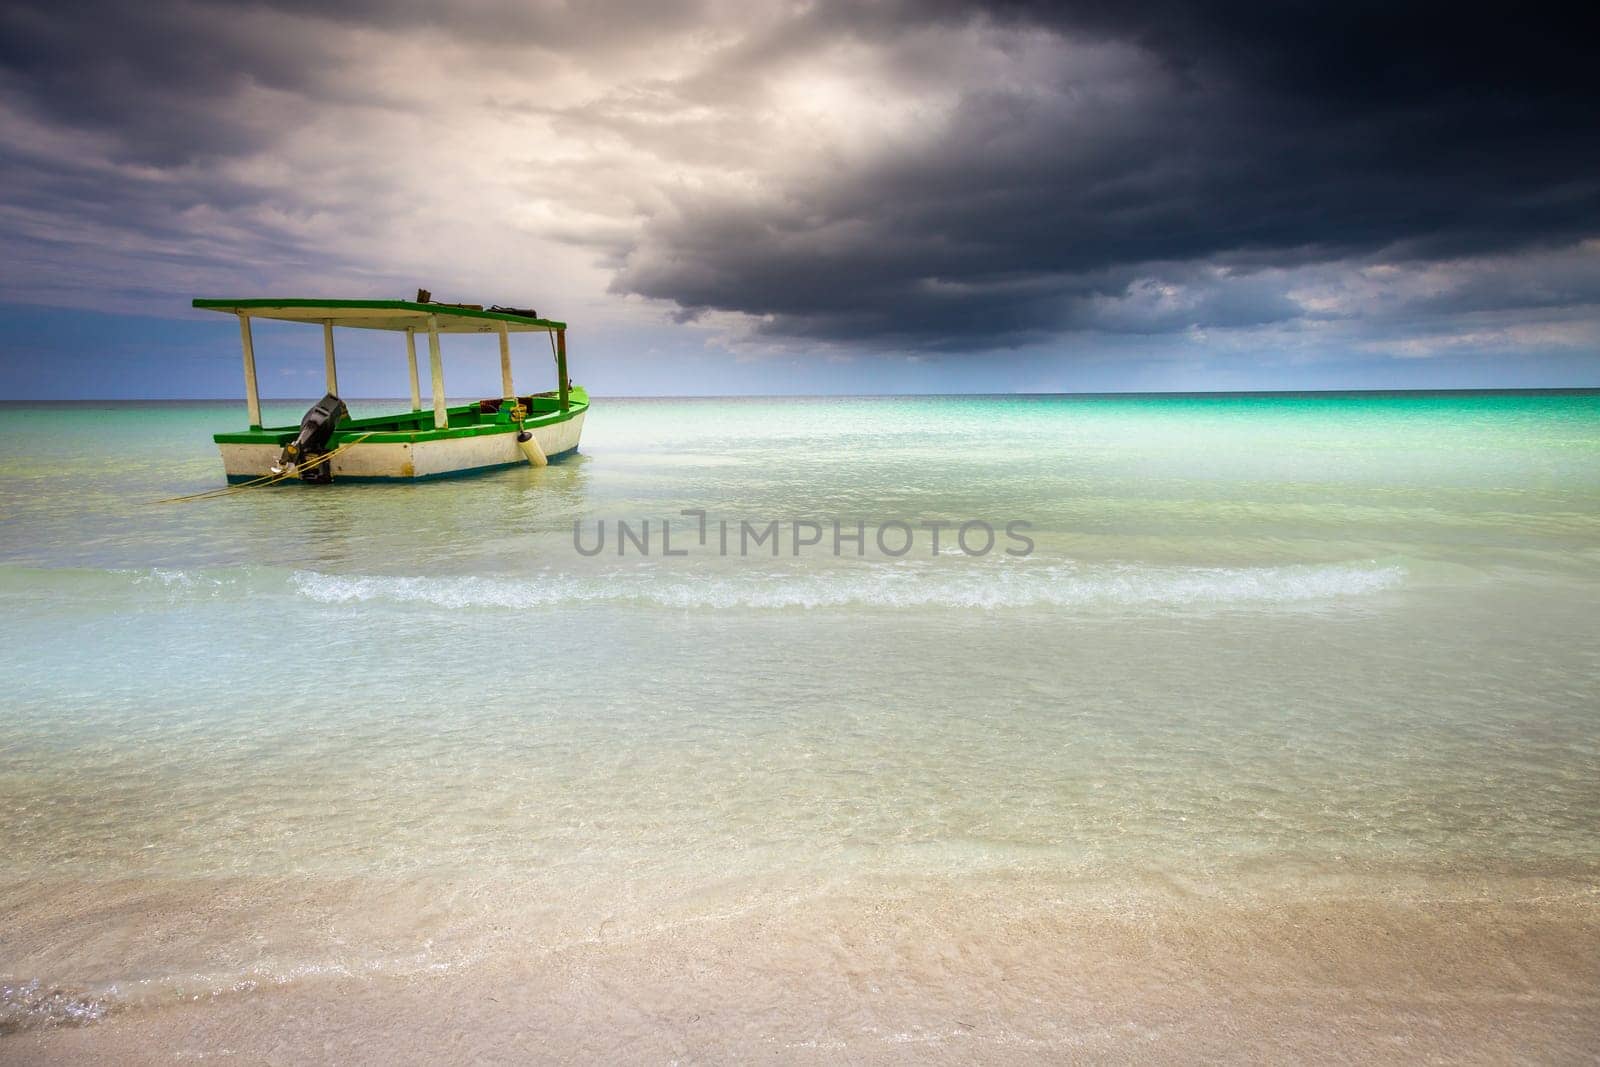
(24, 1005)
(954, 582)
(883, 586)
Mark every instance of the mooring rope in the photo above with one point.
(264, 480)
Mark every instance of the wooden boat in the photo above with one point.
(328, 445)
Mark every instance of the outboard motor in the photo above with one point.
(304, 454)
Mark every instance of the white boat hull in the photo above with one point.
(410, 460)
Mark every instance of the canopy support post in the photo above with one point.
(441, 417)
(561, 366)
(411, 358)
(327, 356)
(506, 389)
(252, 394)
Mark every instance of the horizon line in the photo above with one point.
(840, 396)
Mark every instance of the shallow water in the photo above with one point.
(1264, 651)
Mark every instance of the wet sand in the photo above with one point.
(1439, 970)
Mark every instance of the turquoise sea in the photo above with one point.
(1293, 706)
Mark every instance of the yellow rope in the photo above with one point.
(264, 480)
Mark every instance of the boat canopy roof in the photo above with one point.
(382, 315)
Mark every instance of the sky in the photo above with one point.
(749, 197)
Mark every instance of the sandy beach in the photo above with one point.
(1461, 971)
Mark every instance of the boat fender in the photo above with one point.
(530, 448)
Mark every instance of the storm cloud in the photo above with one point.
(905, 176)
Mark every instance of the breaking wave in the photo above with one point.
(939, 583)
(883, 586)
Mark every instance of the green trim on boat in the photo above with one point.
(466, 420)
(445, 312)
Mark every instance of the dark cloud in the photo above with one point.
(153, 75)
(1260, 136)
(150, 77)
(904, 175)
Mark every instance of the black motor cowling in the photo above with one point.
(305, 452)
